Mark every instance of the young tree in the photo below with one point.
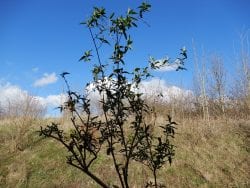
(26, 106)
(121, 131)
(244, 65)
(1, 110)
(200, 84)
(241, 88)
(218, 83)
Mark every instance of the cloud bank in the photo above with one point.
(157, 88)
(152, 89)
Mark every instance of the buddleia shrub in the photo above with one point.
(122, 129)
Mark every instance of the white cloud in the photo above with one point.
(157, 88)
(10, 92)
(45, 80)
(13, 94)
(52, 100)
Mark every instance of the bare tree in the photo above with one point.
(24, 106)
(241, 88)
(200, 84)
(218, 83)
(1, 111)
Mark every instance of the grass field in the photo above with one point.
(207, 155)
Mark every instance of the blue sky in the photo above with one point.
(42, 38)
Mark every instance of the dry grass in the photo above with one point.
(213, 154)
(207, 155)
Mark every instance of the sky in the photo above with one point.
(39, 39)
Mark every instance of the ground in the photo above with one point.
(208, 154)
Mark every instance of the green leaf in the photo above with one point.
(83, 23)
(63, 74)
(131, 11)
(86, 56)
(111, 16)
(103, 40)
(144, 7)
(134, 24)
(184, 52)
(137, 69)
